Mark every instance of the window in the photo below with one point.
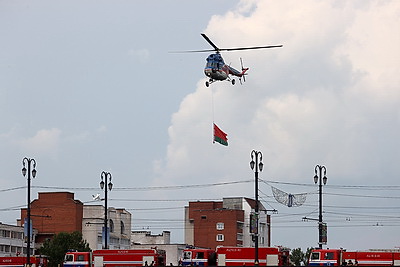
(315, 256)
(220, 237)
(80, 258)
(220, 226)
(203, 217)
(329, 256)
(122, 227)
(111, 226)
(239, 236)
(69, 257)
(187, 255)
(200, 255)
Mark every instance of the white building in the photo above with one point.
(145, 239)
(12, 241)
(119, 223)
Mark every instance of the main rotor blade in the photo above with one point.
(209, 41)
(249, 48)
(193, 51)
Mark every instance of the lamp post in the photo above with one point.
(105, 179)
(256, 165)
(29, 162)
(318, 170)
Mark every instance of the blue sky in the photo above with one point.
(87, 86)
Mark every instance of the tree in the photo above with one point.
(298, 257)
(56, 248)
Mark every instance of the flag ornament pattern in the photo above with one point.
(220, 136)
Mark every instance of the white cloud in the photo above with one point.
(317, 100)
(45, 142)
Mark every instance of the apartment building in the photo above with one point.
(209, 224)
(12, 241)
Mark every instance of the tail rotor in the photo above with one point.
(243, 71)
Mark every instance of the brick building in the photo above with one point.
(210, 224)
(54, 212)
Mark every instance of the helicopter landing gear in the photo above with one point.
(233, 81)
(209, 82)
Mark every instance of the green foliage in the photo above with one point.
(56, 248)
(298, 257)
(307, 255)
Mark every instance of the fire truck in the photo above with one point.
(198, 257)
(21, 261)
(115, 257)
(337, 257)
(238, 256)
(235, 256)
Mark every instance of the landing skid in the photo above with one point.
(210, 81)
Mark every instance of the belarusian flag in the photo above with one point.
(220, 136)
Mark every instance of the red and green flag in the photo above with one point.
(220, 136)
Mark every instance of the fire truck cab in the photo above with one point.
(198, 257)
(325, 257)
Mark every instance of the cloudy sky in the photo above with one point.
(91, 86)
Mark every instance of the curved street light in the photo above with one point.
(31, 164)
(105, 178)
(256, 165)
(318, 170)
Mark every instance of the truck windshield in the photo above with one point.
(69, 257)
(187, 255)
(315, 256)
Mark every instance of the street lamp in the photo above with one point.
(256, 165)
(29, 162)
(105, 176)
(321, 180)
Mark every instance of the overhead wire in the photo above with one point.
(280, 218)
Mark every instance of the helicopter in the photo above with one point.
(217, 70)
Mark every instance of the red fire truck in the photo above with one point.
(238, 256)
(115, 257)
(21, 261)
(199, 257)
(235, 256)
(337, 257)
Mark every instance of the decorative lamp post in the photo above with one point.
(30, 163)
(105, 178)
(318, 170)
(256, 165)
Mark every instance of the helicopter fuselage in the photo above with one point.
(217, 70)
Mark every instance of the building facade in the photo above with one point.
(12, 241)
(146, 237)
(54, 212)
(146, 240)
(224, 223)
(119, 223)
